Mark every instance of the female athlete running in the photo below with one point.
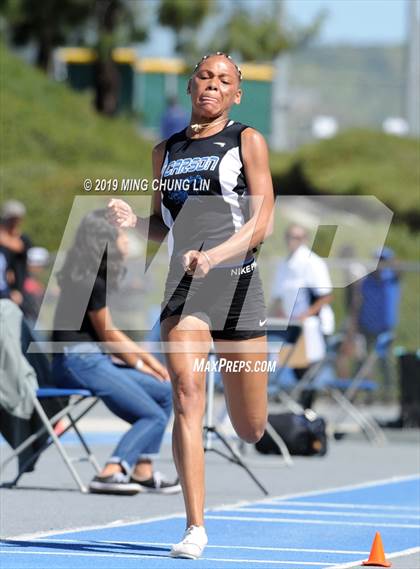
(224, 202)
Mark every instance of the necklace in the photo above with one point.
(198, 127)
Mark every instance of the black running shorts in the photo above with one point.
(229, 299)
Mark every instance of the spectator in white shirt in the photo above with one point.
(302, 291)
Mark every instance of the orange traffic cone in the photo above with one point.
(377, 555)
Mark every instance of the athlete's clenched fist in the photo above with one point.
(196, 263)
(121, 214)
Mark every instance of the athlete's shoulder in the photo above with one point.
(253, 143)
(252, 134)
(160, 147)
(158, 154)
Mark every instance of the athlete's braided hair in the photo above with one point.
(224, 55)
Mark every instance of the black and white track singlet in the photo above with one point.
(195, 170)
(204, 201)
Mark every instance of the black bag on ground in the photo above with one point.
(409, 364)
(304, 434)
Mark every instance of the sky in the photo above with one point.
(357, 22)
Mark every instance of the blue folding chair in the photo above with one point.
(321, 377)
(344, 391)
(76, 404)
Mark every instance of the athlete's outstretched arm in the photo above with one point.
(122, 215)
(259, 226)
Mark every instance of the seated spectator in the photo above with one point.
(33, 288)
(132, 383)
(16, 245)
(20, 374)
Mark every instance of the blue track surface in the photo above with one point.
(328, 529)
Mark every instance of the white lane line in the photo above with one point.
(123, 523)
(169, 544)
(296, 503)
(138, 557)
(318, 522)
(110, 525)
(270, 561)
(321, 513)
(398, 554)
(332, 490)
(349, 565)
(83, 554)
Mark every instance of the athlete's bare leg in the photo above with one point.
(189, 393)
(246, 391)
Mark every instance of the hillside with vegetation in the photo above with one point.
(357, 162)
(52, 140)
(359, 85)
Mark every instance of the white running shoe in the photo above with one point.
(192, 544)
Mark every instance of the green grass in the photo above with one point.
(52, 141)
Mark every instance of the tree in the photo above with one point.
(248, 33)
(116, 25)
(184, 18)
(47, 23)
(52, 23)
(262, 37)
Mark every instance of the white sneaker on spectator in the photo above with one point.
(158, 484)
(192, 544)
(117, 483)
